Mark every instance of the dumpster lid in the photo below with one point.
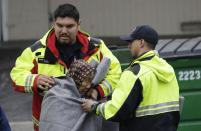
(179, 48)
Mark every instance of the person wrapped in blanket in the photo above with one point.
(61, 107)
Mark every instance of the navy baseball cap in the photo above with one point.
(142, 32)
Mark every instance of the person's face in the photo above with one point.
(134, 48)
(66, 29)
(85, 86)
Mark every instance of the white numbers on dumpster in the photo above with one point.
(189, 75)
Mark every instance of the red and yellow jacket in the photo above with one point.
(44, 58)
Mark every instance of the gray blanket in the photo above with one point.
(61, 110)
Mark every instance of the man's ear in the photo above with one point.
(141, 43)
(78, 23)
(53, 23)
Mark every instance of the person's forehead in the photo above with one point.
(66, 20)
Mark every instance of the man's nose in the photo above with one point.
(64, 30)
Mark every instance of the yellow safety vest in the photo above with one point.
(160, 91)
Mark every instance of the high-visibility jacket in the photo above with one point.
(146, 97)
(43, 58)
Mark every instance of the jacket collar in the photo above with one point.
(49, 41)
(146, 56)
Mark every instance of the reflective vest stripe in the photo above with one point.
(101, 108)
(28, 84)
(158, 105)
(35, 121)
(153, 112)
(108, 86)
(157, 109)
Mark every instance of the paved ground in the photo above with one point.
(16, 105)
(21, 126)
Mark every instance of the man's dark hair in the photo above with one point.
(67, 10)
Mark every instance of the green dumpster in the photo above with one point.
(185, 57)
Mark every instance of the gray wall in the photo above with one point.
(24, 19)
(28, 19)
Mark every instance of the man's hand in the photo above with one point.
(92, 93)
(87, 105)
(44, 83)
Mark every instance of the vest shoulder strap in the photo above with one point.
(135, 68)
(36, 46)
(95, 41)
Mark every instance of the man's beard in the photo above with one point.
(61, 42)
(64, 43)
